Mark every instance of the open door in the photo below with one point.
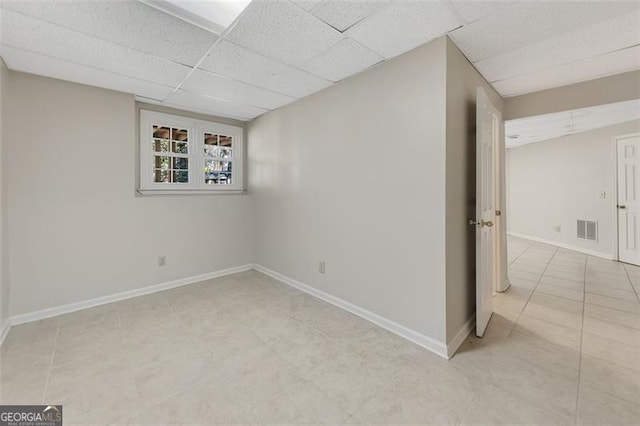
(629, 199)
(487, 133)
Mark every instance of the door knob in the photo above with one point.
(481, 223)
(621, 207)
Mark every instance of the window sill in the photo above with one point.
(147, 192)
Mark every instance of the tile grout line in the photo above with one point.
(518, 256)
(532, 292)
(584, 296)
(53, 353)
(630, 282)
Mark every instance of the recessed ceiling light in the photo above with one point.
(212, 15)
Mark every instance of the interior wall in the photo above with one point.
(559, 181)
(462, 83)
(600, 91)
(4, 276)
(78, 230)
(354, 175)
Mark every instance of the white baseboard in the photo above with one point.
(439, 348)
(420, 339)
(72, 307)
(4, 330)
(595, 253)
(461, 335)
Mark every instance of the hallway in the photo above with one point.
(573, 315)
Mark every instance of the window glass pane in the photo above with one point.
(225, 153)
(210, 145)
(160, 145)
(224, 178)
(211, 151)
(163, 163)
(181, 176)
(161, 132)
(180, 163)
(180, 135)
(225, 140)
(217, 172)
(180, 147)
(161, 176)
(211, 165)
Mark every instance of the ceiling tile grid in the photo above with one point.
(235, 62)
(34, 63)
(524, 23)
(29, 34)
(611, 63)
(234, 91)
(209, 105)
(283, 31)
(127, 22)
(279, 51)
(582, 43)
(342, 60)
(342, 15)
(404, 25)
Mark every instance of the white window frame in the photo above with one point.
(196, 156)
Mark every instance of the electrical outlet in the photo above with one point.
(162, 261)
(321, 267)
(557, 228)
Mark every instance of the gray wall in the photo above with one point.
(355, 175)
(462, 83)
(78, 231)
(606, 90)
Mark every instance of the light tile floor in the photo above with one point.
(562, 347)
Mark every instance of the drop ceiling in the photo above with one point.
(279, 51)
(550, 126)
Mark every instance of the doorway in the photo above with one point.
(628, 197)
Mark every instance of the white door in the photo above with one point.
(629, 199)
(488, 121)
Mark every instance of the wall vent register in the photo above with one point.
(587, 230)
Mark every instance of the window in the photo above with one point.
(180, 154)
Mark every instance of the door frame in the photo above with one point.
(614, 198)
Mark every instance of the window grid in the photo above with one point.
(182, 154)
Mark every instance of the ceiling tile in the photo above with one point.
(208, 105)
(342, 14)
(31, 34)
(238, 63)
(472, 10)
(342, 60)
(587, 69)
(528, 22)
(233, 91)
(612, 34)
(33, 63)
(282, 31)
(129, 23)
(403, 26)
